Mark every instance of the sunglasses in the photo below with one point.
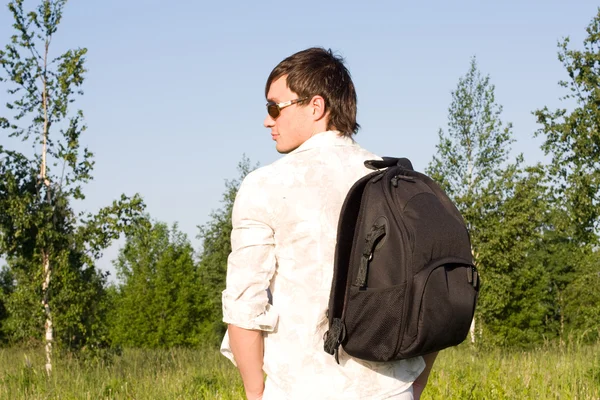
(274, 109)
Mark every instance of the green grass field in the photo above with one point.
(459, 373)
(551, 373)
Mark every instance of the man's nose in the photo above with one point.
(268, 122)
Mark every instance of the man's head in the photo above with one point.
(309, 92)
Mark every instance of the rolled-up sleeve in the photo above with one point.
(252, 263)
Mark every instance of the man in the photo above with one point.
(285, 220)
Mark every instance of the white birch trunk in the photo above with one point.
(49, 336)
(45, 303)
(472, 328)
(470, 174)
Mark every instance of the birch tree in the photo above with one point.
(40, 235)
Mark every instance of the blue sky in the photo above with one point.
(174, 95)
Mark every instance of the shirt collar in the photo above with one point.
(324, 139)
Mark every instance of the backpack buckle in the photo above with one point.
(374, 235)
(334, 337)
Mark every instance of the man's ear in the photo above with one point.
(317, 104)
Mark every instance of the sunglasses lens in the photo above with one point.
(273, 110)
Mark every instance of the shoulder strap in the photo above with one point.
(339, 285)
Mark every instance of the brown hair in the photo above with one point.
(317, 71)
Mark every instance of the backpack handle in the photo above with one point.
(387, 162)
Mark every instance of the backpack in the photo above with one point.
(404, 282)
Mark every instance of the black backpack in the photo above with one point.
(404, 282)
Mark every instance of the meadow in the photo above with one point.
(567, 372)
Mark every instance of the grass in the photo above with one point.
(137, 374)
(546, 373)
(459, 373)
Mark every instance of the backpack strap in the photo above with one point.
(334, 337)
(336, 334)
(387, 162)
(376, 233)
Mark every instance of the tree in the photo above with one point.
(502, 204)
(516, 302)
(157, 301)
(572, 138)
(473, 153)
(6, 288)
(582, 301)
(49, 248)
(216, 246)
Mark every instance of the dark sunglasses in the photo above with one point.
(274, 109)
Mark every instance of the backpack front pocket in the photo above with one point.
(442, 315)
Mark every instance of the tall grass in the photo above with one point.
(136, 374)
(547, 373)
(459, 373)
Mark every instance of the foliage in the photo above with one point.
(6, 288)
(156, 304)
(49, 248)
(572, 139)
(216, 247)
(504, 207)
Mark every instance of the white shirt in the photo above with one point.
(285, 219)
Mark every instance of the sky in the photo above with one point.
(174, 93)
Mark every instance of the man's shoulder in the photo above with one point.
(257, 176)
(265, 177)
(366, 154)
(283, 169)
(347, 150)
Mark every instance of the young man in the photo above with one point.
(285, 221)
